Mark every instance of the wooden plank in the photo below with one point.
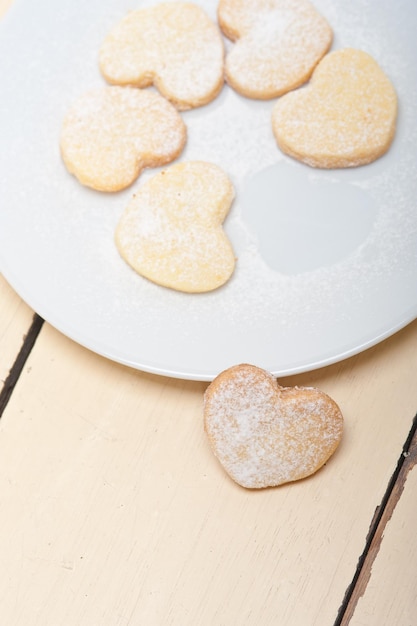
(114, 511)
(386, 593)
(15, 321)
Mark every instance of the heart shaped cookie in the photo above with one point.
(171, 232)
(277, 44)
(111, 134)
(265, 435)
(344, 117)
(174, 46)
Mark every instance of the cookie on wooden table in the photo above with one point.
(265, 435)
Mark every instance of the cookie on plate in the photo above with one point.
(171, 232)
(110, 134)
(277, 44)
(265, 435)
(174, 46)
(345, 117)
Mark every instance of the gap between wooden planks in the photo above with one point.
(383, 515)
(18, 365)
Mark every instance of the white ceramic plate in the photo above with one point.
(326, 260)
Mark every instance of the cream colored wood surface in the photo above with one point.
(15, 320)
(390, 598)
(114, 511)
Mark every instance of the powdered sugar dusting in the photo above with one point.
(345, 117)
(266, 435)
(172, 45)
(110, 134)
(278, 44)
(171, 232)
(285, 321)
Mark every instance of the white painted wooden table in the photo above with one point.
(114, 512)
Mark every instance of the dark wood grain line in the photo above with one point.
(383, 514)
(14, 373)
